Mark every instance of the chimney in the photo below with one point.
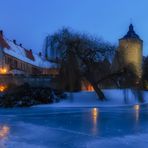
(14, 41)
(1, 33)
(20, 45)
(40, 54)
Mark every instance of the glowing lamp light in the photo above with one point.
(3, 88)
(3, 71)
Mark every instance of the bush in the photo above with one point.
(25, 96)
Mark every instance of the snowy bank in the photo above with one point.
(115, 97)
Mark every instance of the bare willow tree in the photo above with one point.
(80, 53)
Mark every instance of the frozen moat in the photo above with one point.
(40, 127)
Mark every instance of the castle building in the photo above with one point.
(15, 59)
(129, 52)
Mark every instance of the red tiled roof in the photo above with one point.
(29, 54)
(3, 43)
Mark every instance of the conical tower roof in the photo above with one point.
(131, 33)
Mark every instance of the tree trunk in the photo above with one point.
(97, 89)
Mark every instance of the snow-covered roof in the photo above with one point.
(25, 55)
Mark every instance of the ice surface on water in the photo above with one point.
(134, 141)
(124, 126)
(75, 127)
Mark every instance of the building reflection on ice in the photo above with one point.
(95, 115)
(4, 131)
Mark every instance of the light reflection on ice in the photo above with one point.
(137, 109)
(95, 114)
(4, 131)
(89, 127)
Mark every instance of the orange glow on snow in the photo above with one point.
(90, 88)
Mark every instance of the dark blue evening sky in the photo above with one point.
(29, 21)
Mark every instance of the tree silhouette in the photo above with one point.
(81, 57)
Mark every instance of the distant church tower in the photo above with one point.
(130, 50)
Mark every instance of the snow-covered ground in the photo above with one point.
(115, 97)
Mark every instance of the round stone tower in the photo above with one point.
(130, 49)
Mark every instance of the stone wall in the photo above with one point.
(33, 81)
